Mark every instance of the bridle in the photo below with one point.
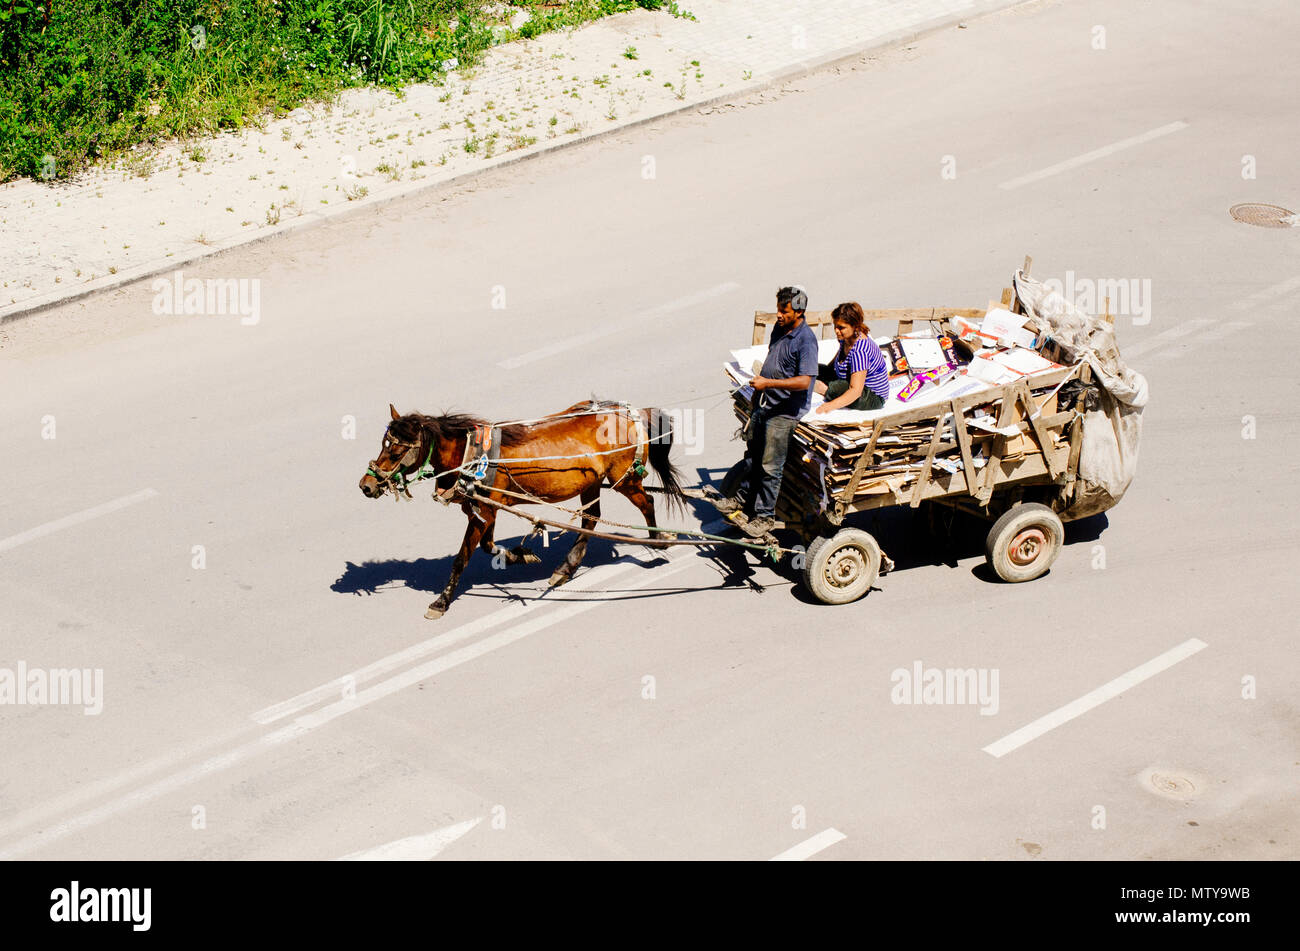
(395, 479)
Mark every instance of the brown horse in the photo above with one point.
(569, 454)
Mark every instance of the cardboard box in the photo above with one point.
(1008, 328)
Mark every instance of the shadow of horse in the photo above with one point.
(732, 563)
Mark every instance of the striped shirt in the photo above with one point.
(865, 355)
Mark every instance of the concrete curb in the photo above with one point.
(23, 309)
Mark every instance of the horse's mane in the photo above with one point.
(448, 425)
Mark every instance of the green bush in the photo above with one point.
(81, 79)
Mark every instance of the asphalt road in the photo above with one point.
(519, 726)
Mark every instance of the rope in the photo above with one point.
(698, 538)
(773, 551)
(610, 409)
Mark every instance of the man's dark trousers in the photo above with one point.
(769, 442)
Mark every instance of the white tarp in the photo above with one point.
(1111, 432)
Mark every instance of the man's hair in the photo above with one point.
(795, 296)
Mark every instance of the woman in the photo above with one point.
(859, 377)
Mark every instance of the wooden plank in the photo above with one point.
(924, 477)
(1045, 443)
(999, 444)
(905, 316)
(864, 461)
(1076, 447)
(766, 318)
(963, 441)
(920, 313)
(952, 489)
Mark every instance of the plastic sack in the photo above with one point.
(1111, 432)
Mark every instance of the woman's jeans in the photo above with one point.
(868, 399)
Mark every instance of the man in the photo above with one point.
(782, 393)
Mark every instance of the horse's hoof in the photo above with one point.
(526, 556)
(559, 578)
(434, 612)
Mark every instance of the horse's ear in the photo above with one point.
(393, 410)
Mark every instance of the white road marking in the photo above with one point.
(102, 787)
(416, 848)
(1094, 155)
(1162, 338)
(810, 847)
(1210, 336)
(1258, 298)
(1013, 741)
(595, 580)
(1223, 330)
(306, 723)
(40, 531)
(618, 326)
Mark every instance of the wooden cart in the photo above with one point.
(1018, 477)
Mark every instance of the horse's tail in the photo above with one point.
(661, 443)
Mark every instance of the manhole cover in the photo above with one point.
(1169, 784)
(1266, 216)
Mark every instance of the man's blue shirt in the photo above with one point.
(790, 353)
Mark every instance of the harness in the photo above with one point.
(482, 450)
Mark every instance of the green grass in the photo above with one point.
(85, 80)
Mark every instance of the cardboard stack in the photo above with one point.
(967, 360)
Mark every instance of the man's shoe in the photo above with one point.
(727, 504)
(759, 526)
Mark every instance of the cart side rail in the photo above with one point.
(1016, 406)
(904, 316)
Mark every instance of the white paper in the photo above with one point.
(1024, 361)
(923, 353)
(746, 356)
(988, 424)
(985, 370)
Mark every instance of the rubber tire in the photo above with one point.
(1017, 519)
(819, 558)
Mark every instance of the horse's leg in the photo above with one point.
(473, 533)
(512, 556)
(590, 513)
(632, 490)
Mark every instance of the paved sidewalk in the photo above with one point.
(160, 209)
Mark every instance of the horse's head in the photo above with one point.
(403, 450)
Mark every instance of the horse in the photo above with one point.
(572, 453)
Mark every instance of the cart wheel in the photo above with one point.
(841, 568)
(1024, 542)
